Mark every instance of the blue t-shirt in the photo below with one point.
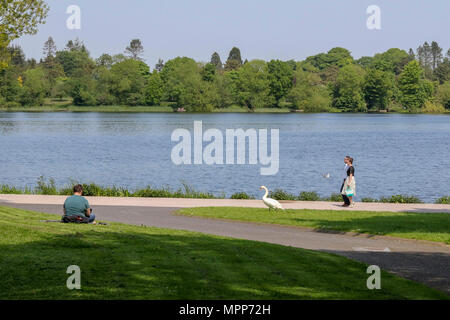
(76, 206)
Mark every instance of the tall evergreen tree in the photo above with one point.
(234, 59)
(215, 60)
(411, 54)
(424, 55)
(17, 56)
(436, 54)
(49, 48)
(135, 49)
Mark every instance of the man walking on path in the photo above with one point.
(346, 199)
(77, 207)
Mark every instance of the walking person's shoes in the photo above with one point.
(345, 205)
(352, 205)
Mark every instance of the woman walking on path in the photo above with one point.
(349, 188)
(344, 196)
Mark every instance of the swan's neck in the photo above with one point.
(266, 194)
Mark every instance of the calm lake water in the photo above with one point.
(394, 154)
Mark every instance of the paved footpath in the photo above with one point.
(421, 261)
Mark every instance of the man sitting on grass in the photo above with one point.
(77, 209)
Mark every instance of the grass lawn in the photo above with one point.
(130, 262)
(421, 226)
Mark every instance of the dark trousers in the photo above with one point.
(91, 218)
(346, 199)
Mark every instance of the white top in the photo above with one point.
(346, 168)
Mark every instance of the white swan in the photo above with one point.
(271, 203)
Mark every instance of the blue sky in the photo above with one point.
(262, 29)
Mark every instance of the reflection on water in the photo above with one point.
(394, 154)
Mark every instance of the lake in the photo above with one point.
(394, 153)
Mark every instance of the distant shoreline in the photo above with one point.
(167, 109)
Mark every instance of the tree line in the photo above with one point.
(333, 81)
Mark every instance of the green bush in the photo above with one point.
(443, 200)
(241, 195)
(335, 197)
(433, 107)
(149, 192)
(308, 196)
(369, 200)
(279, 194)
(401, 199)
(46, 188)
(6, 189)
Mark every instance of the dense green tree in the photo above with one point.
(10, 86)
(442, 72)
(129, 78)
(413, 88)
(208, 72)
(60, 89)
(393, 60)
(172, 82)
(377, 89)
(338, 57)
(80, 90)
(184, 85)
(35, 87)
(251, 85)
(308, 93)
(154, 90)
(75, 61)
(443, 94)
(103, 81)
(347, 91)
(365, 62)
(224, 85)
(105, 60)
(280, 79)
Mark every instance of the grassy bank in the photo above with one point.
(420, 226)
(165, 108)
(129, 262)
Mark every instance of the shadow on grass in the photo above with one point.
(430, 268)
(432, 226)
(161, 264)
